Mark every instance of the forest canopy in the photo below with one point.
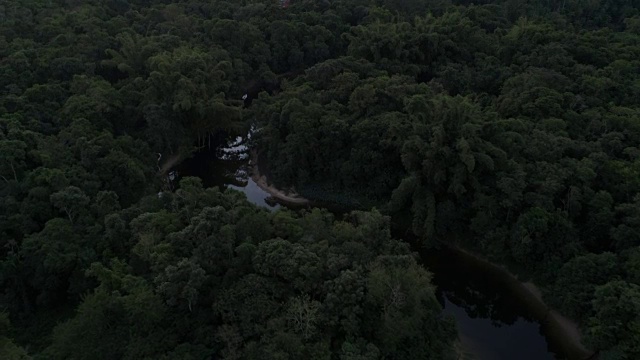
(507, 127)
(513, 136)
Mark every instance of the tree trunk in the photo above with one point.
(15, 176)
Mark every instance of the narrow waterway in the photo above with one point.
(493, 319)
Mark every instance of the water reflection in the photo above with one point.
(256, 195)
(226, 165)
(490, 339)
(492, 322)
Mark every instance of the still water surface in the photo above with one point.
(492, 322)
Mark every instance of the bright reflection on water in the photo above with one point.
(227, 166)
(256, 195)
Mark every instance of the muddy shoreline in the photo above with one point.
(283, 197)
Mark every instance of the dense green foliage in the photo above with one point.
(96, 265)
(209, 273)
(511, 131)
(510, 127)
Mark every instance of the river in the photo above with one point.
(494, 318)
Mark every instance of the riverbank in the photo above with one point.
(562, 331)
(286, 198)
(171, 162)
(561, 334)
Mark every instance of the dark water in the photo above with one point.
(493, 322)
(486, 339)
